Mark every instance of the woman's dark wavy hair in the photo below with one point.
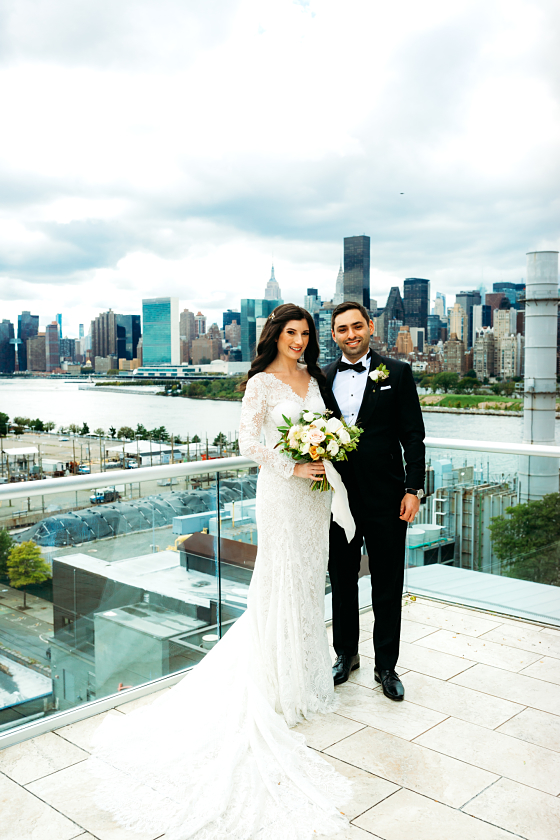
(267, 347)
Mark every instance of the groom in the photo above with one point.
(384, 495)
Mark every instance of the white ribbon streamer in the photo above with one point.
(340, 507)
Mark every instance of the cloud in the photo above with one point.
(175, 149)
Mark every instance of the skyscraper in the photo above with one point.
(128, 334)
(80, 331)
(312, 301)
(356, 269)
(329, 351)
(338, 296)
(439, 305)
(514, 292)
(458, 322)
(52, 346)
(160, 337)
(481, 317)
(36, 358)
(229, 317)
(272, 291)
(416, 302)
(200, 324)
(28, 326)
(467, 301)
(7, 348)
(251, 310)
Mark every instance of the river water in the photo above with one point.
(63, 403)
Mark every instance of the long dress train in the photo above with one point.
(214, 758)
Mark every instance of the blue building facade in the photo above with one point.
(251, 309)
(160, 338)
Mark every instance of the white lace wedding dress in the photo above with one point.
(214, 758)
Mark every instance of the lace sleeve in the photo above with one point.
(253, 412)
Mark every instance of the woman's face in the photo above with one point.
(293, 339)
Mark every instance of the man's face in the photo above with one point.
(352, 333)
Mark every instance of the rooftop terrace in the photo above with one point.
(473, 753)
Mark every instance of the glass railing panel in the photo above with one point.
(135, 592)
(478, 541)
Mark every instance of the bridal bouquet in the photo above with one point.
(317, 436)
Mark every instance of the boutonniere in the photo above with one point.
(379, 374)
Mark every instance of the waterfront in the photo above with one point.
(63, 403)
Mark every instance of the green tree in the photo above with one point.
(471, 373)
(195, 439)
(6, 542)
(426, 381)
(112, 431)
(446, 380)
(37, 425)
(99, 431)
(73, 428)
(4, 418)
(196, 389)
(49, 426)
(22, 421)
(220, 440)
(528, 542)
(141, 431)
(85, 429)
(26, 565)
(467, 384)
(126, 432)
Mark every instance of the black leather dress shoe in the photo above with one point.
(342, 667)
(391, 684)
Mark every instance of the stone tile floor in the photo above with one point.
(473, 753)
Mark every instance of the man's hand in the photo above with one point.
(410, 506)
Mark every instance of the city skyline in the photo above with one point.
(124, 196)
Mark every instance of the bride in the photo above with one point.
(214, 757)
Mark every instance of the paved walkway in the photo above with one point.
(473, 753)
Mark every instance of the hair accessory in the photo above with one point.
(271, 316)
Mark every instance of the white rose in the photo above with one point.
(308, 416)
(343, 436)
(375, 374)
(333, 447)
(305, 449)
(333, 425)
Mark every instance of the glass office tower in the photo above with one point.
(128, 335)
(251, 309)
(160, 338)
(356, 269)
(416, 302)
(7, 347)
(28, 327)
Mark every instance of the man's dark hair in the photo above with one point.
(344, 307)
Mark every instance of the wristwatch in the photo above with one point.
(418, 493)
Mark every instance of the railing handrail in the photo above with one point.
(533, 449)
(51, 486)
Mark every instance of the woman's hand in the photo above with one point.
(314, 470)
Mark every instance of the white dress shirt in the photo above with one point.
(348, 389)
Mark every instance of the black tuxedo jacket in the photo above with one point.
(391, 418)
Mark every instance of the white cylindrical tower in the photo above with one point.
(538, 476)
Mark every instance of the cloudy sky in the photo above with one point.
(174, 147)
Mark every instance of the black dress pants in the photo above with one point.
(385, 536)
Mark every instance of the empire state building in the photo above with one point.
(272, 291)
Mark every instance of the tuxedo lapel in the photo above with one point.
(333, 405)
(371, 393)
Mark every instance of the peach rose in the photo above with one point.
(315, 436)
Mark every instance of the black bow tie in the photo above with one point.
(359, 368)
